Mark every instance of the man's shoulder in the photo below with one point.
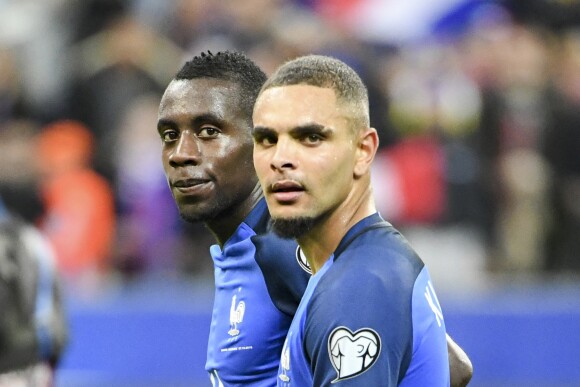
(281, 258)
(380, 249)
(285, 278)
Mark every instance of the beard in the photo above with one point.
(293, 227)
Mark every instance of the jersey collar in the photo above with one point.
(359, 228)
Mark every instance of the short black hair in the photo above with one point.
(326, 72)
(230, 66)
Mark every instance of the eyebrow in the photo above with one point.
(303, 130)
(262, 131)
(207, 118)
(198, 120)
(163, 123)
(297, 131)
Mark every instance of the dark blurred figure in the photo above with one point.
(560, 137)
(12, 103)
(510, 63)
(562, 148)
(523, 173)
(556, 15)
(33, 329)
(19, 183)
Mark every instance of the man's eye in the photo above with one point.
(265, 140)
(269, 140)
(168, 136)
(313, 139)
(208, 132)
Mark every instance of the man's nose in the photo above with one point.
(187, 151)
(284, 155)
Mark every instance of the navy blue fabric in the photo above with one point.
(369, 317)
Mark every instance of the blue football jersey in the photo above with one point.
(258, 286)
(369, 317)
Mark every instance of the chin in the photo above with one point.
(197, 214)
(191, 217)
(292, 227)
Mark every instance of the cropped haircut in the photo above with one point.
(327, 72)
(229, 66)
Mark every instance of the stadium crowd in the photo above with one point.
(478, 118)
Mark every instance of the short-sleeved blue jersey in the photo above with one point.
(258, 286)
(369, 317)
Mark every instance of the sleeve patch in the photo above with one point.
(350, 353)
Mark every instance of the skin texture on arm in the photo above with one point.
(460, 366)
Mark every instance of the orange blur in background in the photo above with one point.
(79, 216)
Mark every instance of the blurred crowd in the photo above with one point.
(478, 118)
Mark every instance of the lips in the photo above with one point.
(188, 183)
(286, 186)
(286, 191)
(191, 185)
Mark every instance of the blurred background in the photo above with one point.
(477, 104)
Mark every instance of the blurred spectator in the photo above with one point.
(79, 217)
(21, 191)
(474, 127)
(555, 15)
(563, 151)
(36, 35)
(33, 329)
(514, 131)
(116, 65)
(11, 99)
(193, 21)
(432, 170)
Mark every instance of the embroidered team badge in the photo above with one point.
(350, 353)
(236, 316)
(302, 261)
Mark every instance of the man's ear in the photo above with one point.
(368, 143)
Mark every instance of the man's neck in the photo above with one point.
(224, 226)
(321, 242)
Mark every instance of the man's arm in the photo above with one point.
(460, 367)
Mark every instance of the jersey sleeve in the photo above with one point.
(430, 361)
(358, 331)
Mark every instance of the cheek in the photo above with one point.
(222, 152)
(333, 172)
(238, 162)
(260, 162)
(165, 159)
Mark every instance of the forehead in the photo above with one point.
(289, 106)
(200, 96)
